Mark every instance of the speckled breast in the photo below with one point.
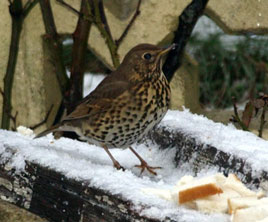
(131, 119)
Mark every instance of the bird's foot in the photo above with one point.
(115, 162)
(150, 169)
(118, 166)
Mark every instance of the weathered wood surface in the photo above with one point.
(51, 195)
(202, 156)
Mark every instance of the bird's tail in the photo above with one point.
(47, 131)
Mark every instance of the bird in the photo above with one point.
(125, 106)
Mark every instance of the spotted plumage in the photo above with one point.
(125, 106)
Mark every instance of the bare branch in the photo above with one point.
(14, 120)
(101, 22)
(54, 44)
(29, 6)
(8, 112)
(187, 21)
(263, 121)
(16, 12)
(236, 117)
(137, 12)
(43, 121)
(235, 107)
(80, 40)
(48, 19)
(69, 7)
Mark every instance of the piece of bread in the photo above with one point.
(232, 182)
(251, 214)
(197, 192)
(236, 203)
(245, 202)
(215, 203)
(216, 194)
(263, 220)
(186, 184)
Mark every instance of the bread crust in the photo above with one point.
(198, 192)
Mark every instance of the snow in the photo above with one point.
(226, 138)
(91, 81)
(84, 162)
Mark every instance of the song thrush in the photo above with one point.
(125, 105)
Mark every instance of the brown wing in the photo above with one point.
(100, 100)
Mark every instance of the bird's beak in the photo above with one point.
(167, 49)
(163, 52)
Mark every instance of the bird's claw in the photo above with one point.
(150, 169)
(118, 166)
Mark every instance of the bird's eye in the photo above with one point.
(147, 56)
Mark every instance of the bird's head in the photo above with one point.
(145, 60)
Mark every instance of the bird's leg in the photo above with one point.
(144, 164)
(115, 162)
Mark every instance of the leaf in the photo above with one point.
(247, 114)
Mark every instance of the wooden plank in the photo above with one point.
(55, 197)
(203, 156)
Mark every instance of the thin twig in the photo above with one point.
(137, 12)
(263, 121)
(28, 6)
(69, 7)
(44, 120)
(102, 17)
(8, 113)
(18, 14)
(235, 107)
(14, 120)
(101, 22)
(80, 40)
(99, 19)
(236, 117)
(17, 17)
(48, 19)
(54, 45)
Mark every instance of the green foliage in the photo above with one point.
(238, 70)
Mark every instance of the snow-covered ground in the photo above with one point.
(84, 162)
(242, 144)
